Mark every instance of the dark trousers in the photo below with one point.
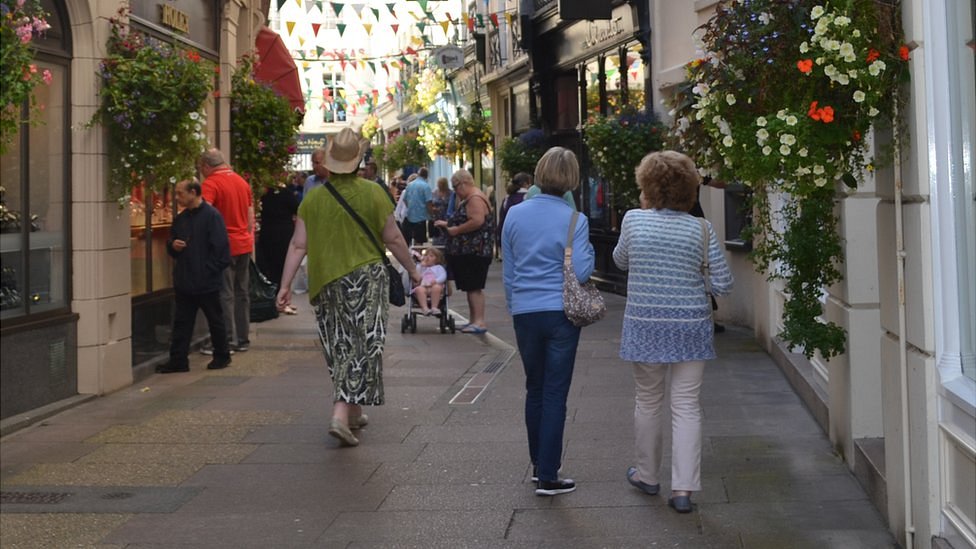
(547, 342)
(185, 316)
(417, 232)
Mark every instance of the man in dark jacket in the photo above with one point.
(198, 243)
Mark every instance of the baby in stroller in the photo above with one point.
(433, 277)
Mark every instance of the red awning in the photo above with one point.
(276, 67)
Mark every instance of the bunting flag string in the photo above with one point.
(368, 27)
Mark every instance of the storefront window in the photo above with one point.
(34, 206)
(567, 101)
(150, 220)
(592, 71)
(634, 74)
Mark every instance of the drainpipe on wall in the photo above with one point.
(903, 347)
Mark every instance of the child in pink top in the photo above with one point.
(433, 276)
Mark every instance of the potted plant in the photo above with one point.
(782, 101)
(263, 127)
(20, 23)
(520, 154)
(151, 104)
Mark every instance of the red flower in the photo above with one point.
(805, 65)
(903, 52)
(827, 115)
(813, 112)
(873, 54)
(216, 93)
(857, 135)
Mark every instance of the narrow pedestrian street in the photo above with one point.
(240, 458)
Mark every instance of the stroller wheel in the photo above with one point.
(404, 324)
(450, 324)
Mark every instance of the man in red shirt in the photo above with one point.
(231, 195)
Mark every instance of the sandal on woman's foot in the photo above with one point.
(681, 504)
(649, 489)
(339, 430)
(472, 329)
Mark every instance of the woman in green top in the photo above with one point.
(347, 281)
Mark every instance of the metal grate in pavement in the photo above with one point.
(117, 495)
(37, 498)
(493, 366)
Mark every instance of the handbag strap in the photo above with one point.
(357, 219)
(704, 265)
(568, 254)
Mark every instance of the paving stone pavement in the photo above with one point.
(240, 458)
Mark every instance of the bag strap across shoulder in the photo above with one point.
(568, 254)
(704, 264)
(356, 218)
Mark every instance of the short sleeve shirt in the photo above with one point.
(231, 195)
(417, 195)
(336, 244)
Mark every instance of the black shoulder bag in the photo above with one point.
(398, 296)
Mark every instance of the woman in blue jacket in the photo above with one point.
(534, 240)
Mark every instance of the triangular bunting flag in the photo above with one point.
(290, 25)
(427, 41)
(494, 19)
(390, 7)
(423, 4)
(508, 18)
(445, 25)
(411, 51)
(299, 3)
(417, 40)
(341, 27)
(319, 50)
(315, 29)
(421, 26)
(301, 41)
(372, 66)
(395, 28)
(359, 9)
(306, 65)
(376, 13)
(337, 7)
(469, 21)
(369, 28)
(362, 64)
(385, 67)
(342, 93)
(481, 21)
(281, 3)
(343, 63)
(309, 6)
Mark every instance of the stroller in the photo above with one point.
(441, 311)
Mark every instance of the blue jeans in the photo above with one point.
(547, 343)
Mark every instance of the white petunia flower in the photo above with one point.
(830, 71)
(856, 33)
(804, 47)
(874, 69)
(781, 114)
(784, 150)
(765, 18)
(842, 79)
(791, 120)
(174, 139)
(787, 139)
(872, 112)
(803, 152)
(859, 96)
(762, 134)
(728, 141)
(842, 21)
(761, 121)
(816, 12)
(194, 116)
(766, 150)
(820, 181)
(818, 169)
(730, 99)
(852, 73)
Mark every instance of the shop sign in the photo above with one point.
(449, 57)
(598, 32)
(579, 39)
(174, 18)
(308, 142)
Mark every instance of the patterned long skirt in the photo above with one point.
(351, 314)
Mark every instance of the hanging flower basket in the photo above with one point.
(782, 101)
(616, 145)
(474, 132)
(263, 127)
(152, 100)
(20, 23)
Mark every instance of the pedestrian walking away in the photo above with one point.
(231, 195)
(199, 246)
(348, 284)
(470, 246)
(417, 199)
(667, 321)
(534, 240)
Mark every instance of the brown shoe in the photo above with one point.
(341, 432)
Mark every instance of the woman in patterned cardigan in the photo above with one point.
(667, 321)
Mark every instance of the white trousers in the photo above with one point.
(686, 422)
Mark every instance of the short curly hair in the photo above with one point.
(669, 180)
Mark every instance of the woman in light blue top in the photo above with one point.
(534, 240)
(667, 321)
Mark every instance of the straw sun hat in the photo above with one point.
(344, 151)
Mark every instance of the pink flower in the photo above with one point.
(24, 33)
(260, 145)
(47, 76)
